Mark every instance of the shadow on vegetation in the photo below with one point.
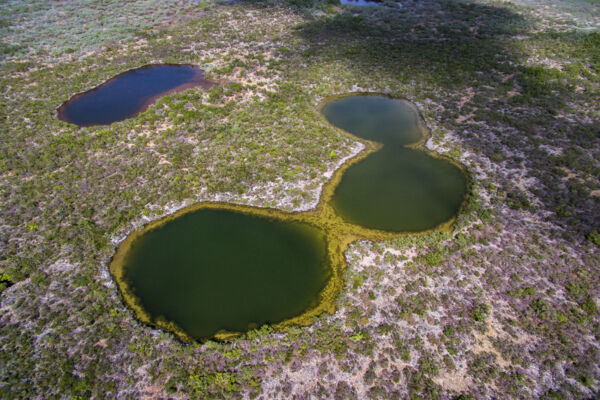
(444, 43)
(448, 49)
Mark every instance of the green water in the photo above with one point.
(396, 189)
(214, 270)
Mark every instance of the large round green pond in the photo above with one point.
(214, 270)
(396, 189)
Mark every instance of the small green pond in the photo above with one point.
(214, 270)
(396, 189)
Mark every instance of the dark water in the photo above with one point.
(214, 269)
(395, 189)
(127, 94)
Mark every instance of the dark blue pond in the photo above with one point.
(130, 93)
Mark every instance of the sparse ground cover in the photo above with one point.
(503, 307)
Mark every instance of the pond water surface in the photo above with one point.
(219, 270)
(129, 93)
(397, 188)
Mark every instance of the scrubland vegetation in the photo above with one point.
(505, 306)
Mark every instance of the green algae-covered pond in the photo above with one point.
(397, 188)
(215, 270)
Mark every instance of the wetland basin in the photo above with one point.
(130, 93)
(216, 270)
(397, 188)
